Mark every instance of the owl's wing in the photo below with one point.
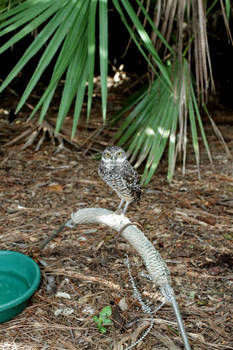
(129, 174)
(130, 179)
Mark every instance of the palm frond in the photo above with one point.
(68, 30)
(157, 118)
(74, 75)
(40, 40)
(91, 52)
(34, 12)
(65, 31)
(103, 48)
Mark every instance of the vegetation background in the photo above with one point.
(178, 49)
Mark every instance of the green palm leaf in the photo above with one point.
(103, 49)
(36, 16)
(41, 39)
(73, 77)
(72, 27)
(69, 33)
(91, 52)
(79, 100)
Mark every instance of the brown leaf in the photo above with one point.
(55, 188)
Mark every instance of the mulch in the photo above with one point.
(189, 221)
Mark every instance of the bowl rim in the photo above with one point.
(29, 292)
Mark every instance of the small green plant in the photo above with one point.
(103, 319)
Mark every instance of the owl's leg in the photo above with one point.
(119, 210)
(121, 203)
(126, 207)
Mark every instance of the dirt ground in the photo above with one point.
(189, 222)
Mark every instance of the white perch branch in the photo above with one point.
(155, 265)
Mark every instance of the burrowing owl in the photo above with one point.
(119, 174)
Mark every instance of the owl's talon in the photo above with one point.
(119, 211)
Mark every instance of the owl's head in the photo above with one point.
(113, 156)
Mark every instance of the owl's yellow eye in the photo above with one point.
(119, 154)
(107, 155)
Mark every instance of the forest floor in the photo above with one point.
(190, 222)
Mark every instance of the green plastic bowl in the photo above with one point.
(19, 279)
